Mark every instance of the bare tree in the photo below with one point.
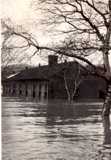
(17, 44)
(88, 25)
(72, 82)
(87, 31)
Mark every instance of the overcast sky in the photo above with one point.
(18, 10)
(21, 13)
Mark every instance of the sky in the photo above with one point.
(21, 13)
(18, 10)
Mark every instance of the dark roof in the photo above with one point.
(29, 74)
(45, 72)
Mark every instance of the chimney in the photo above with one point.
(52, 60)
(39, 65)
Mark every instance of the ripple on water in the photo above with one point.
(39, 131)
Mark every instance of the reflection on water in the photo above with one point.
(54, 131)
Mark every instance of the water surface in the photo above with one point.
(54, 131)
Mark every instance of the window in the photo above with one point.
(45, 94)
(13, 89)
(40, 90)
(20, 92)
(20, 89)
(26, 91)
(33, 94)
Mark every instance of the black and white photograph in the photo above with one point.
(56, 79)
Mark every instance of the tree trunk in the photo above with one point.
(107, 103)
(107, 130)
(67, 89)
(68, 97)
(106, 63)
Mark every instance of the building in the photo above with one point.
(47, 82)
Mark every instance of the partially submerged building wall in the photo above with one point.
(54, 89)
(32, 89)
(92, 87)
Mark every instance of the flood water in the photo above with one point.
(54, 131)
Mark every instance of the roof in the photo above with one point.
(44, 72)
